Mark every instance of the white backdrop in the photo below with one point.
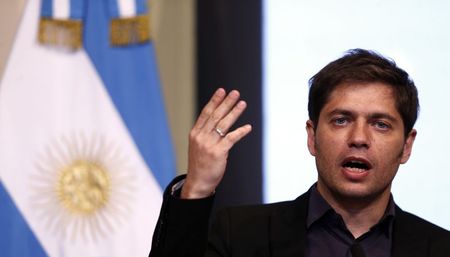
(300, 37)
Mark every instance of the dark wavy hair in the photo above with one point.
(364, 66)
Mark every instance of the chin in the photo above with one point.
(358, 192)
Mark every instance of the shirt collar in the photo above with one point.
(318, 207)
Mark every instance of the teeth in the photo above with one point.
(357, 170)
(358, 166)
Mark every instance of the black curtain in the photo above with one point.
(229, 56)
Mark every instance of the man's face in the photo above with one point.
(359, 142)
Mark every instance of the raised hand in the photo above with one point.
(210, 141)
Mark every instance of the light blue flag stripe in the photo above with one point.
(16, 238)
(141, 6)
(131, 77)
(113, 8)
(77, 9)
(47, 8)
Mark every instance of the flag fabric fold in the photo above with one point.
(84, 142)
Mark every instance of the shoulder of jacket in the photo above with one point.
(417, 223)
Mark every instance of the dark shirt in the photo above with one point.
(327, 234)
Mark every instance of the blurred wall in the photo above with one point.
(173, 24)
(173, 28)
(10, 12)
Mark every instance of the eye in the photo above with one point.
(381, 125)
(340, 121)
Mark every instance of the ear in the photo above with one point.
(407, 147)
(310, 130)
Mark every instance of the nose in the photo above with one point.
(359, 135)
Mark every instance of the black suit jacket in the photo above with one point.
(275, 230)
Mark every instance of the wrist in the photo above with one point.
(196, 190)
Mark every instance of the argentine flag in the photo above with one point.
(84, 141)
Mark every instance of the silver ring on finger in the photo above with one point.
(219, 132)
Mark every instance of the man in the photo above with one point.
(362, 109)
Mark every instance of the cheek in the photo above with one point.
(391, 150)
(329, 143)
(327, 150)
(389, 159)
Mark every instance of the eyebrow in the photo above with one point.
(380, 115)
(375, 115)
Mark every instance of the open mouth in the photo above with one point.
(356, 164)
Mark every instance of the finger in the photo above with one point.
(209, 108)
(222, 110)
(225, 124)
(234, 136)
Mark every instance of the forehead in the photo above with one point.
(373, 97)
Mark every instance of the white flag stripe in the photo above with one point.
(127, 8)
(61, 9)
(41, 86)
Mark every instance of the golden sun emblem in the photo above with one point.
(83, 188)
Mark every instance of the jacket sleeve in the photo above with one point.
(182, 227)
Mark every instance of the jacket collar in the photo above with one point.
(406, 241)
(288, 229)
(288, 232)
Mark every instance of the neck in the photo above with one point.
(358, 213)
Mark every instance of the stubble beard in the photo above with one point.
(356, 197)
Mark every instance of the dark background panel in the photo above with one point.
(229, 56)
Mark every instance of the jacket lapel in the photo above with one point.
(406, 242)
(288, 232)
(288, 229)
